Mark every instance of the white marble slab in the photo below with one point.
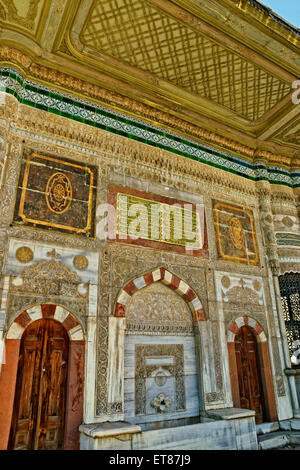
(40, 250)
(152, 388)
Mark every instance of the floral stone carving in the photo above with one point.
(50, 277)
(161, 402)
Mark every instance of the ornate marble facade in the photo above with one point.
(156, 322)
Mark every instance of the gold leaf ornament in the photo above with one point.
(24, 254)
(59, 193)
(236, 233)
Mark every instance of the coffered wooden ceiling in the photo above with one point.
(223, 65)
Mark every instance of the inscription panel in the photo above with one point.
(159, 222)
(56, 194)
(235, 233)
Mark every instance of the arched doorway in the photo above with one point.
(57, 390)
(250, 368)
(40, 399)
(249, 376)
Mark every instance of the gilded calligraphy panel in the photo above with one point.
(235, 233)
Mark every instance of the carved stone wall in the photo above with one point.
(240, 295)
(122, 161)
(37, 273)
(155, 309)
(160, 378)
(120, 264)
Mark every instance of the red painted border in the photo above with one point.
(157, 245)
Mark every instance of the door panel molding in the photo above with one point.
(264, 364)
(41, 387)
(249, 376)
(75, 372)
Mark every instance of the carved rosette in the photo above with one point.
(80, 262)
(58, 193)
(161, 402)
(24, 254)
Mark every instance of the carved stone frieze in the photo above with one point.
(289, 267)
(49, 277)
(3, 158)
(158, 309)
(278, 368)
(267, 225)
(141, 157)
(102, 366)
(213, 397)
(217, 359)
(123, 103)
(53, 237)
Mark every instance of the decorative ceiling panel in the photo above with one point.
(142, 35)
(290, 134)
(24, 14)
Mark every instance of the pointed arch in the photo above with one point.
(51, 311)
(76, 369)
(170, 280)
(117, 327)
(264, 364)
(245, 320)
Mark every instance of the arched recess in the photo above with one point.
(75, 380)
(117, 328)
(172, 281)
(264, 363)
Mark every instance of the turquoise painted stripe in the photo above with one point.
(288, 239)
(65, 105)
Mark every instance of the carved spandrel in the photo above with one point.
(49, 277)
(157, 309)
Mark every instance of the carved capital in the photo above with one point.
(274, 266)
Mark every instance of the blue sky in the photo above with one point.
(288, 9)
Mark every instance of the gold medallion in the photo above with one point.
(80, 262)
(236, 233)
(24, 254)
(59, 193)
(225, 282)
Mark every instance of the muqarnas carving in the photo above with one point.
(57, 194)
(235, 233)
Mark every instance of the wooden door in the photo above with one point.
(39, 406)
(250, 384)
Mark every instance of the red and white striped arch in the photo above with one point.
(51, 311)
(245, 320)
(264, 364)
(167, 278)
